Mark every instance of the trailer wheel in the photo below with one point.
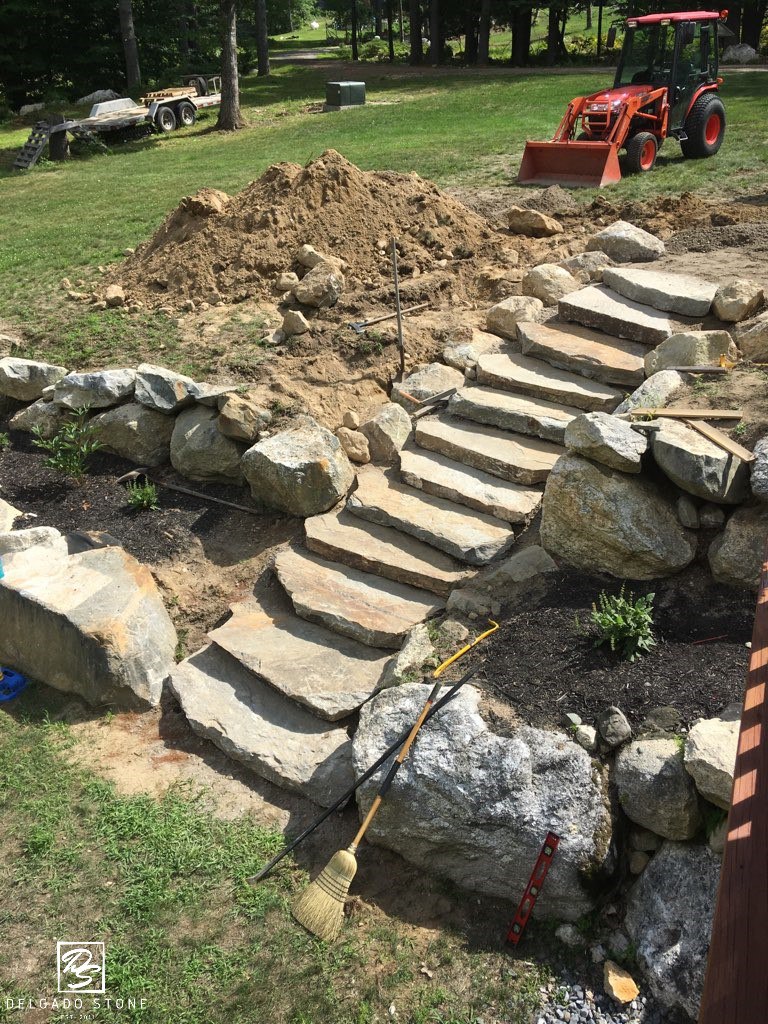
(200, 84)
(165, 120)
(186, 114)
(641, 153)
(704, 126)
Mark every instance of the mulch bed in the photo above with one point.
(544, 662)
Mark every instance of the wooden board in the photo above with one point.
(690, 414)
(736, 983)
(721, 439)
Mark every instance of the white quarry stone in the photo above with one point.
(294, 323)
(355, 445)
(387, 432)
(738, 300)
(626, 243)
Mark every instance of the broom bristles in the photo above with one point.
(320, 909)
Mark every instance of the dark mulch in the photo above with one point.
(544, 665)
(99, 503)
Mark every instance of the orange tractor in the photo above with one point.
(666, 84)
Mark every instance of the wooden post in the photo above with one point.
(58, 143)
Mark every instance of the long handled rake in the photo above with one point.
(321, 907)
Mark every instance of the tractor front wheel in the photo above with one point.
(641, 152)
(704, 126)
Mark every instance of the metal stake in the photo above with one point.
(399, 311)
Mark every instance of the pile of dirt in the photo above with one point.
(216, 247)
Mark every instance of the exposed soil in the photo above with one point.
(745, 389)
(544, 660)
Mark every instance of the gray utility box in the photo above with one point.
(344, 94)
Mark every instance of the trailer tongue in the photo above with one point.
(589, 164)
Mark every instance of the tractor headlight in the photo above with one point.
(598, 107)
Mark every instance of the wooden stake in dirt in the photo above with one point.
(321, 908)
(398, 310)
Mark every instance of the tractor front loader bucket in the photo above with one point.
(590, 164)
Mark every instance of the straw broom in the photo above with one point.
(321, 907)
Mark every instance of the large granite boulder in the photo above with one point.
(387, 432)
(200, 451)
(710, 754)
(548, 283)
(504, 317)
(698, 465)
(758, 477)
(321, 287)
(135, 432)
(669, 920)
(736, 555)
(653, 393)
(603, 520)
(654, 788)
(162, 389)
(44, 416)
(26, 379)
(691, 348)
(752, 338)
(98, 390)
(738, 300)
(606, 439)
(91, 623)
(303, 470)
(474, 806)
(627, 243)
(533, 223)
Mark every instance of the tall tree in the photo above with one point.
(130, 46)
(262, 38)
(435, 32)
(230, 118)
(484, 32)
(355, 53)
(414, 15)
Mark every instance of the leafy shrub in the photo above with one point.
(69, 448)
(5, 441)
(142, 496)
(625, 622)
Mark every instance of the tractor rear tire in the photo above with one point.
(186, 114)
(165, 120)
(704, 126)
(641, 153)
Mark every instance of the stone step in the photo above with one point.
(445, 478)
(663, 289)
(512, 371)
(584, 351)
(515, 457)
(598, 306)
(509, 411)
(474, 538)
(254, 724)
(329, 674)
(356, 604)
(383, 551)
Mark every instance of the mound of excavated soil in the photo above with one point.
(214, 246)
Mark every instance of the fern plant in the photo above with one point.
(69, 448)
(142, 496)
(625, 622)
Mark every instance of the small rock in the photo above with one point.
(114, 296)
(687, 512)
(416, 653)
(571, 720)
(738, 300)
(613, 726)
(643, 840)
(294, 322)
(691, 348)
(638, 862)
(242, 418)
(504, 317)
(351, 420)
(718, 837)
(598, 954)
(321, 287)
(548, 283)
(711, 517)
(8, 516)
(65, 284)
(426, 382)
(387, 432)
(522, 221)
(286, 282)
(309, 257)
(606, 439)
(618, 983)
(752, 338)
(710, 755)
(586, 737)
(653, 393)
(626, 243)
(129, 251)
(569, 935)
(22, 540)
(355, 444)
(587, 267)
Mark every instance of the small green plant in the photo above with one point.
(69, 448)
(142, 496)
(738, 431)
(625, 622)
(5, 441)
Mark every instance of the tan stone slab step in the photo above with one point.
(474, 538)
(601, 307)
(580, 349)
(254, 724)
(515, 457)
(383, 551)
(506, 410)
(329, 674)
(511, 371)
(473, 488)
(367, 608)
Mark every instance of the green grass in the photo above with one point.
(456, 128)
(162, 883)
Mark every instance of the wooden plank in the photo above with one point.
(690, 414)
(736, 982)
(699, 369)
(721, 439)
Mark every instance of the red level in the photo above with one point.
(532, 890)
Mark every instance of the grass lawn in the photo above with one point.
(458, 127)
(162, 883)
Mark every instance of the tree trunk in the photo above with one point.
(470, 35)
(127, 31)
(230, 118)
(521, 35)
(589, 16)
(355, 54)
(435, 30)
(484, 32)
(414, 13)
(752, 18)
(262, 38)
(390, 32)
(401, 22)
(599, 28)
(377, 26)
(553, 36)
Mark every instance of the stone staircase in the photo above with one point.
(283, 669)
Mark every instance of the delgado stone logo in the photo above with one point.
(81, 967)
